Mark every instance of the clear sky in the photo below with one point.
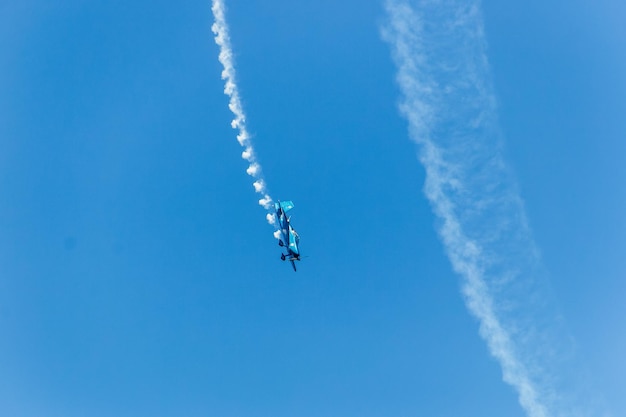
(138, 276)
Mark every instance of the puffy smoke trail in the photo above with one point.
(222, 39)
(439, 48)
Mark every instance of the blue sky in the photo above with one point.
(138, 276)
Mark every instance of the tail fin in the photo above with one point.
(285, 205)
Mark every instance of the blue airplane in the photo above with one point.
(289, 239)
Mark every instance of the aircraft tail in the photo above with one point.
(285, 205)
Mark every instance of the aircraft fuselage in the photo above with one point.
(289, 238)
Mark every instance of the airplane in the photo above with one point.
(289, 238)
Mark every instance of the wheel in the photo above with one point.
(280, 243)
(282, 256)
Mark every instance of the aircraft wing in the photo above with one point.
(294, 240)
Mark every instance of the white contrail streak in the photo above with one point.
(222, 39)
(442, 71)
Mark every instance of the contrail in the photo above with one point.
(447, 98)
(222, 39)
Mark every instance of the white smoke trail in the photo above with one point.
(222, 39)
(443, 74)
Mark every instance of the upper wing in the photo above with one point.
(294, 240)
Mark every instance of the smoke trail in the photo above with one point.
(443, 74)
(222, 39)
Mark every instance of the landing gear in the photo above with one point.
(280, 243)
(282, 255)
